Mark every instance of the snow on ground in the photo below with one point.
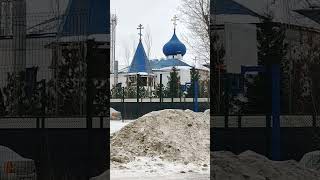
(149, 133)
(168, 144)
(118, 124)
(311, 160)
(155, 168)
(250, 165)
(174, 135)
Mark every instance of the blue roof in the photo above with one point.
(313, 14)
(140, 62)
(158, 64)
(230, 7)
(174, 46)
(86, 17)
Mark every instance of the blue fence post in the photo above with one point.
(196, 90)
(275, 73)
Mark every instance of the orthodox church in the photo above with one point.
(39, 36)
(150, 71)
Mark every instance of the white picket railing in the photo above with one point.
(260, 121)
(158, 100)
(52, 122)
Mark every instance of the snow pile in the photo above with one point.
(115, 115)
(171, 135)
(155, 167)
(250, 165)
(103, 176)
(311, 160)
(116, 125)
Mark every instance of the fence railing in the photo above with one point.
(163, 100)
(239, 121)
(52, 122)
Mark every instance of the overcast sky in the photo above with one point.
(153, 14)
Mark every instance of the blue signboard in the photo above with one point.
(245, 69)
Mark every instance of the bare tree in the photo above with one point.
(127, 54)
(148, 41)
(134, 46)
(195, 15)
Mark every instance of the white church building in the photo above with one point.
(150, 71)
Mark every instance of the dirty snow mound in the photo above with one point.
(115, 115)
(250, 165)
(311, 160)
(172, 135)
(103, 176)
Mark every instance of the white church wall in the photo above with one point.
(183, 73)
(165, 75)
(36, 55)
(111, 80)
(184, 76)
(240, 46)
(121, 79)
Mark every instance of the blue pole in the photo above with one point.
(196, 89)
(275, 73)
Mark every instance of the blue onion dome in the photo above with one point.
(174, 47)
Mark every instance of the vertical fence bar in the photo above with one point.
(276, 154)
(268, 135)
(196, 89)
(123, 104)
(226, 121)
(38, 122)
(43, 125)
(160, 96)
(314, 120)
(239, 121)
(101, 122)
(138, 87)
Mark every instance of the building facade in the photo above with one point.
(46, 40)
(150, 71)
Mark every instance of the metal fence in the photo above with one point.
(182, 99)
(299, 134)
(247, 121)
(53, 122)
(141, 102)
(53, 153)
(52, 67)
(53, 93)
(131, 109)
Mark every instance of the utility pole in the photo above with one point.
(219, 68)
(19, 35)
(19, 47)
(114, 22)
